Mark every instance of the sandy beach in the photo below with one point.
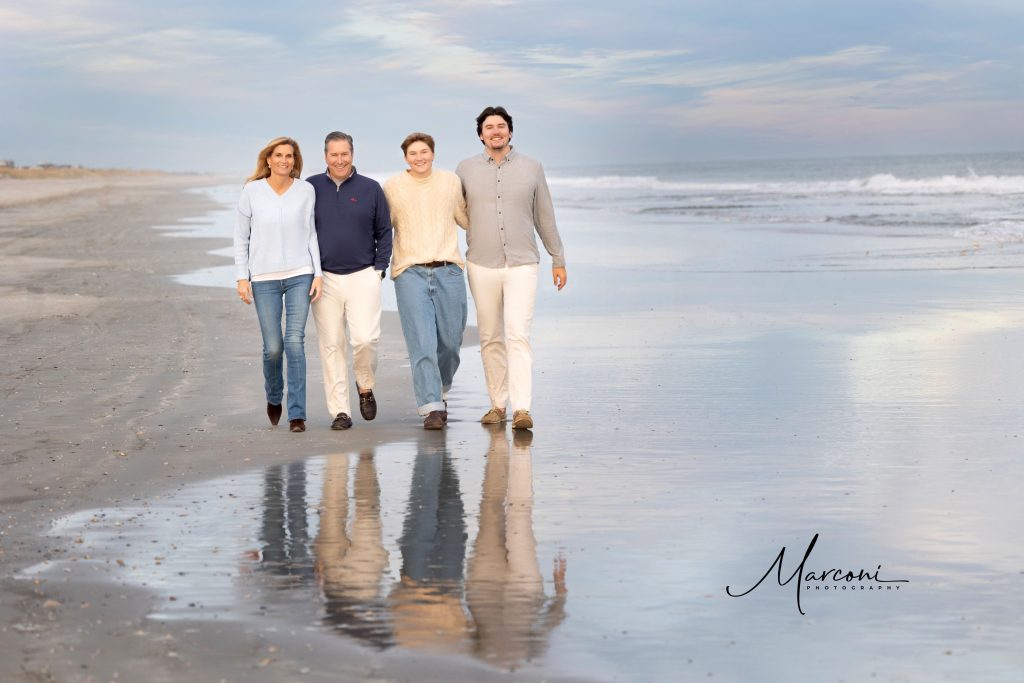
(119, 386)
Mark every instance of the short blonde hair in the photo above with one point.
(263, 170)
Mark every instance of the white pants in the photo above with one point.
(349, 303)
(504, 300)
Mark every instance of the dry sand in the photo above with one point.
(25, 186)
(118, 384)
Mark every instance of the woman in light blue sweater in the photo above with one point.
(277, 265)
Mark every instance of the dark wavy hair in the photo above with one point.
(493, 111)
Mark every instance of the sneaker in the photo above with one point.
(367, 405)
(521, 420)
(435, 420)
(493, 416)
(343, 421)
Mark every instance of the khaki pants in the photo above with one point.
(348, 314)
(504, 300)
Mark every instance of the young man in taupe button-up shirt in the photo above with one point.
(509, 203)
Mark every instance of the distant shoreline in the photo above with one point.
(43, 173)
(28, 185)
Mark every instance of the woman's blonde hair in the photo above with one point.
(263, 170)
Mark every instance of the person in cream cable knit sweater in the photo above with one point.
(426, 205)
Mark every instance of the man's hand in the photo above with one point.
(316, 290)
(559, 276)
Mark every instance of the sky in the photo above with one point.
(202, 85)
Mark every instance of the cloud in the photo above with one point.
(419, 45)
(166, 50)
(708, 75)
(611, 69)
(417, 42)
(51, 22)
(837, 114)
(171, 61)
(595, 63)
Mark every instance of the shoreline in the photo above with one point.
(36, 188)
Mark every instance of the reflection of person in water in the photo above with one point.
(427, 611)
(508, 617)
(351, 560)
(285, 533)
(504, 587)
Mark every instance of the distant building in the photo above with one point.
(6, 163)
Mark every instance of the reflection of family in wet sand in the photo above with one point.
(492, 607)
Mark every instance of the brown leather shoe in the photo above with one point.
(367, 405)
(274, 413)
(521, 420)
(493, 416)
(296, 425)
(342, 421)
(435, 420)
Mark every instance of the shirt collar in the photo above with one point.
(508, 157)
(351, 175)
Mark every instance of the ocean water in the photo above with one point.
(749, 357)
(919, 212)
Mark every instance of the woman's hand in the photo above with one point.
(245, 291)
(316, 290)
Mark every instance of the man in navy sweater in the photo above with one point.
(353, 227)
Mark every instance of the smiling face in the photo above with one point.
(420, 159)
(281, 161)
(495, 135)
(339, 159)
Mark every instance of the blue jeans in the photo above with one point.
(432, 308)
(268, 296)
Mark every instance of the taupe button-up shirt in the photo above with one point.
(507, 203)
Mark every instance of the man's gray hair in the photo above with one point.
(338, 135)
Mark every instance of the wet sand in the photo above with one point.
(120, 385)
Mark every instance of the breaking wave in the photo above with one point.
(880, 184)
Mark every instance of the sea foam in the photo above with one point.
(1001, 232)
(880, 184)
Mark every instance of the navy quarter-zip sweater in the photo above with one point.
(353, 224)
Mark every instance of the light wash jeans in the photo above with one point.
(432, 308)
(291, 297)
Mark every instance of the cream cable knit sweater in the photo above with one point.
(424, 213)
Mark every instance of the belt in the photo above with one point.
(435, 264)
